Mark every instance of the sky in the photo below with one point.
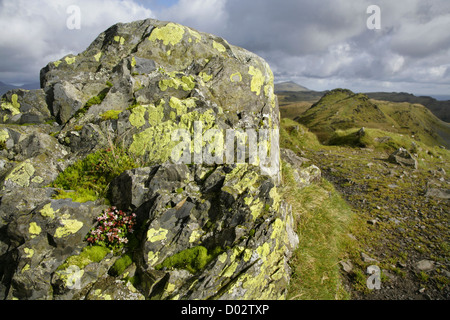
(320, 44)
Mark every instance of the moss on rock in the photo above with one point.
(193, 259)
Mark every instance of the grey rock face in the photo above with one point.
(203, 230)
(403, 158)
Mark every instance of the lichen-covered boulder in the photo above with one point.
(142, 80)
(42, 239)
(31, 157)
(201, 118)
(24, 107)
(236, 235)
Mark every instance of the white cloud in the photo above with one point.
(317, 42)
(421, 39)
(208, 16)
(35, 32)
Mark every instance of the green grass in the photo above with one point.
(323, 220)
(295, 136)
(88, 179)
(343, 110)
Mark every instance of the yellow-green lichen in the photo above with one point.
(247, 255)
(207, 119)
(98, 56)
(28, 252)
(170, 288)
(4, 135)
(70, 60)
(70, 226)
(196, 35)
(57, 63)
(21, 174)
(182, 106)
(152, 258)
(137, 117)
(255, 205)
(257, 80)
(34, 229)
(263, 251)
(154, 235)
(219, 47)
(172, 34)
(156, 141)
(228, 272)
(98, 294)
(13, 106)
(195, 236)
(205, 77)
(119, 39)
(236, 77)
(155, 114)
(47, 211)
(276, 198)
(25, 268)
(223, 257)
(187, 83)
(278, 226)
(239, 180)
(37, 179)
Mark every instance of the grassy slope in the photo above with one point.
(341, 109)
(323, 220)
(409, 226)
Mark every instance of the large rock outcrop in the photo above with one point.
(211, 229)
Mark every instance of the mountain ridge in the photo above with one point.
(5, 87)
(290, 86)
(440, 108)
(341, 109)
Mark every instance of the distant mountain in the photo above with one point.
(440, 109)
(341, 109)
(31, 86)
(289, 86)
(5, 87)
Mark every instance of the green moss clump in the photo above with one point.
(87, 256)
(120, 265)
(111, 115)
(89, 178)
(92, 101)
(96, 100)
(81, 195)
(193, 259)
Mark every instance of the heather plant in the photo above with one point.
(113, 229)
